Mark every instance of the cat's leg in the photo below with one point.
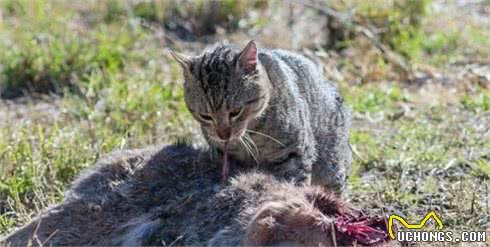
(332, 164)
(295, 168)
(298, 165)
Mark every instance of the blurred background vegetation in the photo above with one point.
(81, 78)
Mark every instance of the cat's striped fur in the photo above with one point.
(273, 108)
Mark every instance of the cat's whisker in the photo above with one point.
(265, 135)
(246, 147)
(254, 156)
(251, 141)
(242, 141)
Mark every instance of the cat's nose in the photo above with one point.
(224, 133)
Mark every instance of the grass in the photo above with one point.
(43, 54)
(372, 98)
(435, 158)
(477, 103)
(108, 84)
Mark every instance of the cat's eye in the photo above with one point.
(236, 112)
(254, 100)
(205, 117)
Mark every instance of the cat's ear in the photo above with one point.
(184, 60)
(247, 61)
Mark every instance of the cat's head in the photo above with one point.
(225, 89)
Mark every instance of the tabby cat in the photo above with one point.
(271, 109)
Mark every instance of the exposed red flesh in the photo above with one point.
(362, 230)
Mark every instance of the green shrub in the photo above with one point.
(50, 63)
(399, 23)
(40, 51)
(478, 102)
(376, 99)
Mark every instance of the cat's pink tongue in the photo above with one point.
(226, 170)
